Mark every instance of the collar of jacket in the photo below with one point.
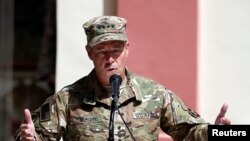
(92, 88)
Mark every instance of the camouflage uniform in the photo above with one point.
(81, 111)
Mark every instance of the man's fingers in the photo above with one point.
(24, 126)
(223, 110)
(226, 121)
(26, 135)
(28, 138)
(27, 116)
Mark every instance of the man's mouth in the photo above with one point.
(111, 69)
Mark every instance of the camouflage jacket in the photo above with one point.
(80, 112)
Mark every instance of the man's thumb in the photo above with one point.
(27, 116)
(223, 110)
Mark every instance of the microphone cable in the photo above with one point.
(125, 124)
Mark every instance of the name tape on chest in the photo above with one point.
(147, 115)
(87, 118)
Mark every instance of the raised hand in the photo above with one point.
(27, 128)
(221, 119)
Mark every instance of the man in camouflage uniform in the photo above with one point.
(81, 111)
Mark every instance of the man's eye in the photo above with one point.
(117, 51)
(118, 46)
(101, 53)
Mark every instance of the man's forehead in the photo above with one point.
(115, 44)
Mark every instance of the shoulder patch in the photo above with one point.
(45, 112)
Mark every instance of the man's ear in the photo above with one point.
(127, 48)
(89, 52)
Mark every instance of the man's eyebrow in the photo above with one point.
(118, 45)
(99, 47)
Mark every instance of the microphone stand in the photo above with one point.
(111, 119)
(114, 107)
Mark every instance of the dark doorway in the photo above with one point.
(34, 55)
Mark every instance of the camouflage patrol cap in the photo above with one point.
(105, 28)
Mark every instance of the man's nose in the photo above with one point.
(110, 56)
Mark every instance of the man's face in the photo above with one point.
(109, 58)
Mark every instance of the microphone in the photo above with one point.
(115, 81)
